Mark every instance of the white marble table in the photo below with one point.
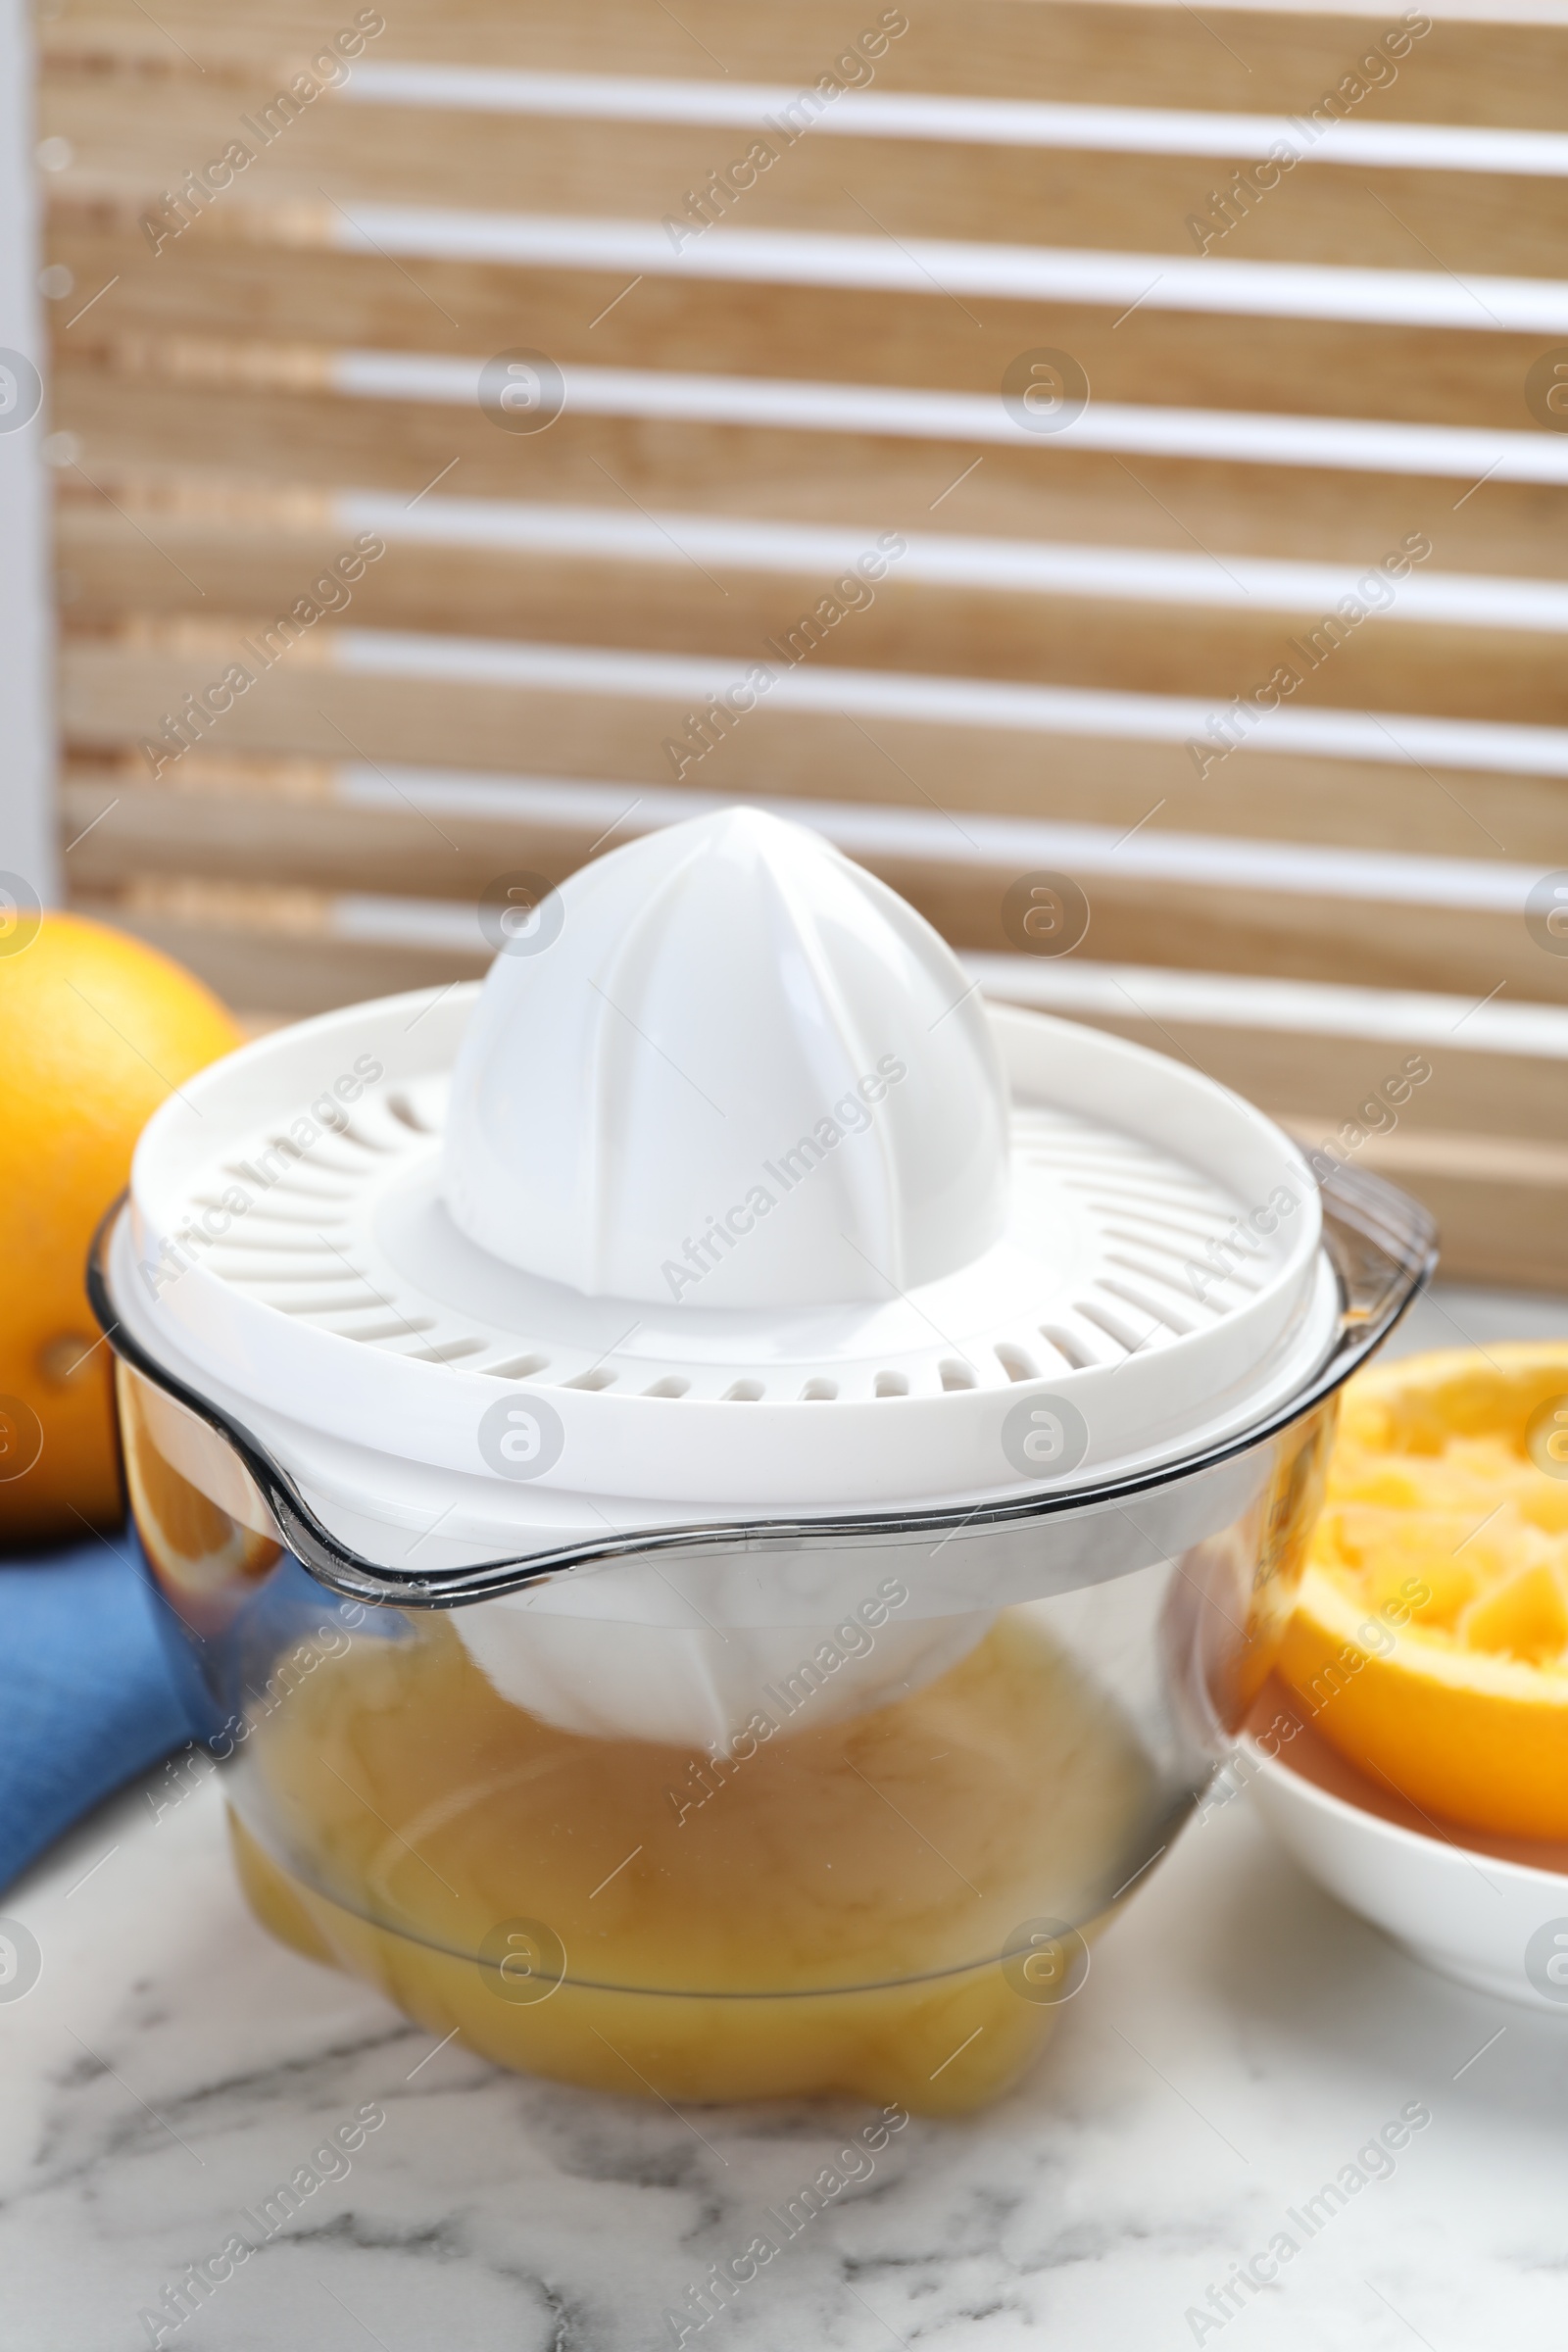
(1239, 2039)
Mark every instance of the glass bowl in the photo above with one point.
(955, 1741)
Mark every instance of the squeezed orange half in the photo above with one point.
(1430, 1643)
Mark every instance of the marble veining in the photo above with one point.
(1237, 2040)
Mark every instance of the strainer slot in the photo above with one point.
(331, 1163)
(1151, 1244)
(1016, 1362)
(820, 1392)
(671, 1385)
(301, 1192)
(892, 1384)
(515, 1367)
(956, 1375)
(275, 1277)
(1165, 1275)
(743, 1391)
(320, 1306)
(404, 1112)
(1145, 1306)
(1195, 1237)
(1068, 1347)
(596, 1378)
(404, 1327)
(306, 1218)
(1237, 1282)
(1164, 1207)
(1112, 1325)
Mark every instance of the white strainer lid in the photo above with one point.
(495, 1261)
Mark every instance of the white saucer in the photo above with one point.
(1491, 1912)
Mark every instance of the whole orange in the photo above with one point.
(96, 1030)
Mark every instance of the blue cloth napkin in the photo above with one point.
(87, 1697)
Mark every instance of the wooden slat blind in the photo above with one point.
(1292, 375)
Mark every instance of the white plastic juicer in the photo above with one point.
(722, 1391)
